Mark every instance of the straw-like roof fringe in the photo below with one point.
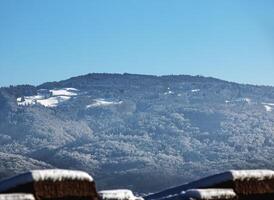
(44, 175)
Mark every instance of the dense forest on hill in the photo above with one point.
(139, 132)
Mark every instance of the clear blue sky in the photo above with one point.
(50, 40)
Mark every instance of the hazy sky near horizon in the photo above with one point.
(52, 40)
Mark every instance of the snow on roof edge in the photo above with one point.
(17, 196)
(259, 174)
(232, 175)
(209, 193)
(117, 194)
(41, 175)
(114, 190)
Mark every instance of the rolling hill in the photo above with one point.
(140, 132)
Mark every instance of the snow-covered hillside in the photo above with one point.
(268, 106)
(103, 103)
(156, 131)
(48, 98)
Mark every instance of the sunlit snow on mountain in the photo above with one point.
(48, 98)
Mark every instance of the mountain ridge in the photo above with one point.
(138, 75)
(141, 132)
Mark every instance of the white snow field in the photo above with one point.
(48, 98)
(103, 103)
(268, 106)
(64, 92)
(246, 100)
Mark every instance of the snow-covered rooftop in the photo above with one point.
(120, 194)
(215, 180)
(208, 194)
(17, 196)
(259, 174)
(42, 175)
(233, 175)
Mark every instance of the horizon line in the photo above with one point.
(136, 74)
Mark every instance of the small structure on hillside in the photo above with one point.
(209, 194)
(121, 194)
(17, 196)
(54, 184)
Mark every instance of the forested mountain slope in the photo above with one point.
(139, 132)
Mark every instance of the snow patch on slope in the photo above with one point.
(64, 92)
(195, 90)
(103, 103)
(268, 106)
(246, 100)
(53, 101)
(48, 98)
(28, 100)
(168, 92)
